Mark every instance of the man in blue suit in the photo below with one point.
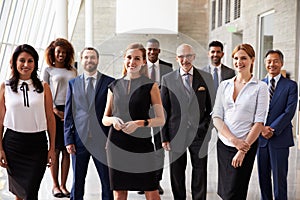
(277, 136)
(85, 135)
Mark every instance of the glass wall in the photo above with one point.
(31, 22)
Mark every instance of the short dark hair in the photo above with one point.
(91, 49)
(153, 40)
(281, 57)
(216, 43)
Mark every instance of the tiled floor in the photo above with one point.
(93, 185)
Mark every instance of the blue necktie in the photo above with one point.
(216, 78)
(90, 91)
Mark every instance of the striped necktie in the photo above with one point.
(187, 83)
(271, 88)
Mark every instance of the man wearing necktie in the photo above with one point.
(218, 70)
(187, 97)
(277, 135)
(85, 135)
(156, 69)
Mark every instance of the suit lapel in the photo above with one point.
(197, 80)
(79, 87)
(179, 86)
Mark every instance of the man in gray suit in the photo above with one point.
(218, 70)
(156, 69)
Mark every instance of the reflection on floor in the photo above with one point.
(93, 185)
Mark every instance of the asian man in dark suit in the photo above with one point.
(218, 70)
(156, 69)
(85, 135)
(277, 135)
(187, 96)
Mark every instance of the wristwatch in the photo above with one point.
(146, 123)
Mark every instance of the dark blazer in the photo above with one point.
(186, 117)
(281, 112)
(273, 153)
(165, 68)
(226, 72)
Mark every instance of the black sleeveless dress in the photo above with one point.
(131, 157)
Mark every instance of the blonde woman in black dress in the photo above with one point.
(130, 152)
(26, 113)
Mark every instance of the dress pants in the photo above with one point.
(199, 173)
(80, 163)
(275, 160)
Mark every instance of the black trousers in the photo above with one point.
(233, 182)
(199, 173)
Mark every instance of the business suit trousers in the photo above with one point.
(199, 173)
(80, 163)
(233, 182)
(275, 160)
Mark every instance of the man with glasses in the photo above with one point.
(186, 97)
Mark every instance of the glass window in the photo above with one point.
(266, 35)
(227, 14)
(220, 12)
(213, 15)
(237, 9)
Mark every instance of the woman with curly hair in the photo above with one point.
(59, 55)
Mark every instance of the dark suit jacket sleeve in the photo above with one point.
(285, 118)
(166, 104)
(68, 118)
(209, 101)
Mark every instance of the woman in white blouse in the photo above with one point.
(239, 113)
(26, 113)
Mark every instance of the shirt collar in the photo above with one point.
(212, 67)
(276, 77)
(150, 63)
(183, 72)
(93, 76)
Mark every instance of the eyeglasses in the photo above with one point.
(188, 56)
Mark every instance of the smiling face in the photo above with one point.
(215, 54)
(133, 61)
(89, 61)
(25, 65)
(152, 51)
(185, 56)
(60, 54)
(242, 62)
(273, 64)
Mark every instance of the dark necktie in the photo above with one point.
(187, 83)
(90, 91)
(216, 78)
(153, 77)
(272, 88)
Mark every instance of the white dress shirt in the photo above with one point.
(250, 106)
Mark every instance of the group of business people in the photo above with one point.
(126, 124)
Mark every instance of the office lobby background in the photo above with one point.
(110, 25)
